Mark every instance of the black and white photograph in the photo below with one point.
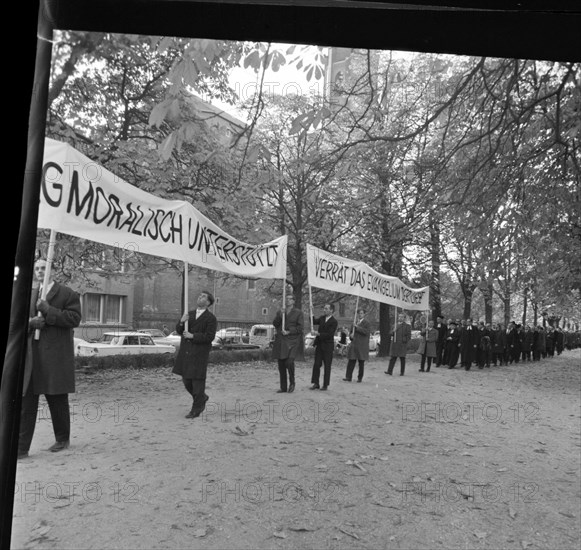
(294, 275)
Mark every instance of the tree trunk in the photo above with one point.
(506, 303)
(392, 267)
(524, 307)
(468, 293)
(487, 291)
(384, 329)
(435, 291)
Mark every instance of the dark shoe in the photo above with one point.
(22, 454)
(421, 370)
(359, 380)
(59, 446)
(450, 367)
(291, 388)
(281, 391)
(387, 372)
(401, 373)
(193, 414)
(324, 388)
(315, 387)
(346, 379)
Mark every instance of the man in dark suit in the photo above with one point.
(192, 360)
(452, 345)
(469, 339)
(49, 367)
(324, 346)
(441, 341)
(513, 342)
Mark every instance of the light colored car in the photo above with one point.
(77, 342)
(122, 343)
(160, 338)
(233, 334)
(262, 335)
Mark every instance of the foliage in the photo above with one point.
(467, 165)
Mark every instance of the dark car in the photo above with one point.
(227, 344)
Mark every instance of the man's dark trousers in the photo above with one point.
(59, 413)
(197, 389)
(323, 356)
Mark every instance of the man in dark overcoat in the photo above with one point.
(196, 343)
(498, 340)
(288, 343)
(539, 343)
(527, 344)
(358, 350)
(513, 342)
(49, 365)
(441, 341)
(468, 344)
(401, 335)
(452, 344)
(324, 346)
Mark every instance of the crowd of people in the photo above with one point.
(56, 311)
(466, 342)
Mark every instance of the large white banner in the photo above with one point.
(79, 197)
(331, 272)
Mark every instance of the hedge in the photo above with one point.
(148, 361)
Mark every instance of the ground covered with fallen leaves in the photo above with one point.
(447, 459)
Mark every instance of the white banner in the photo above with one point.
(331, 272)
(81, 198)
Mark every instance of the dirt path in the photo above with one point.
(449, 459)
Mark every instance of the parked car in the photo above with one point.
(122, 343)
(77, 342)
(160, 338)
(233, 334)
(262, 335)
(226, 344)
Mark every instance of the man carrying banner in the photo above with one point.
(288, 338)
(324, 345)
(358, 349)
(49, 366)
(402, 334)
(196, 343)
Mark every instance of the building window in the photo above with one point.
(103, 308)
(341, 309)
(264, 311)
(91, 313)
(251, 284)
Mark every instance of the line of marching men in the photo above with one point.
(467, 342)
